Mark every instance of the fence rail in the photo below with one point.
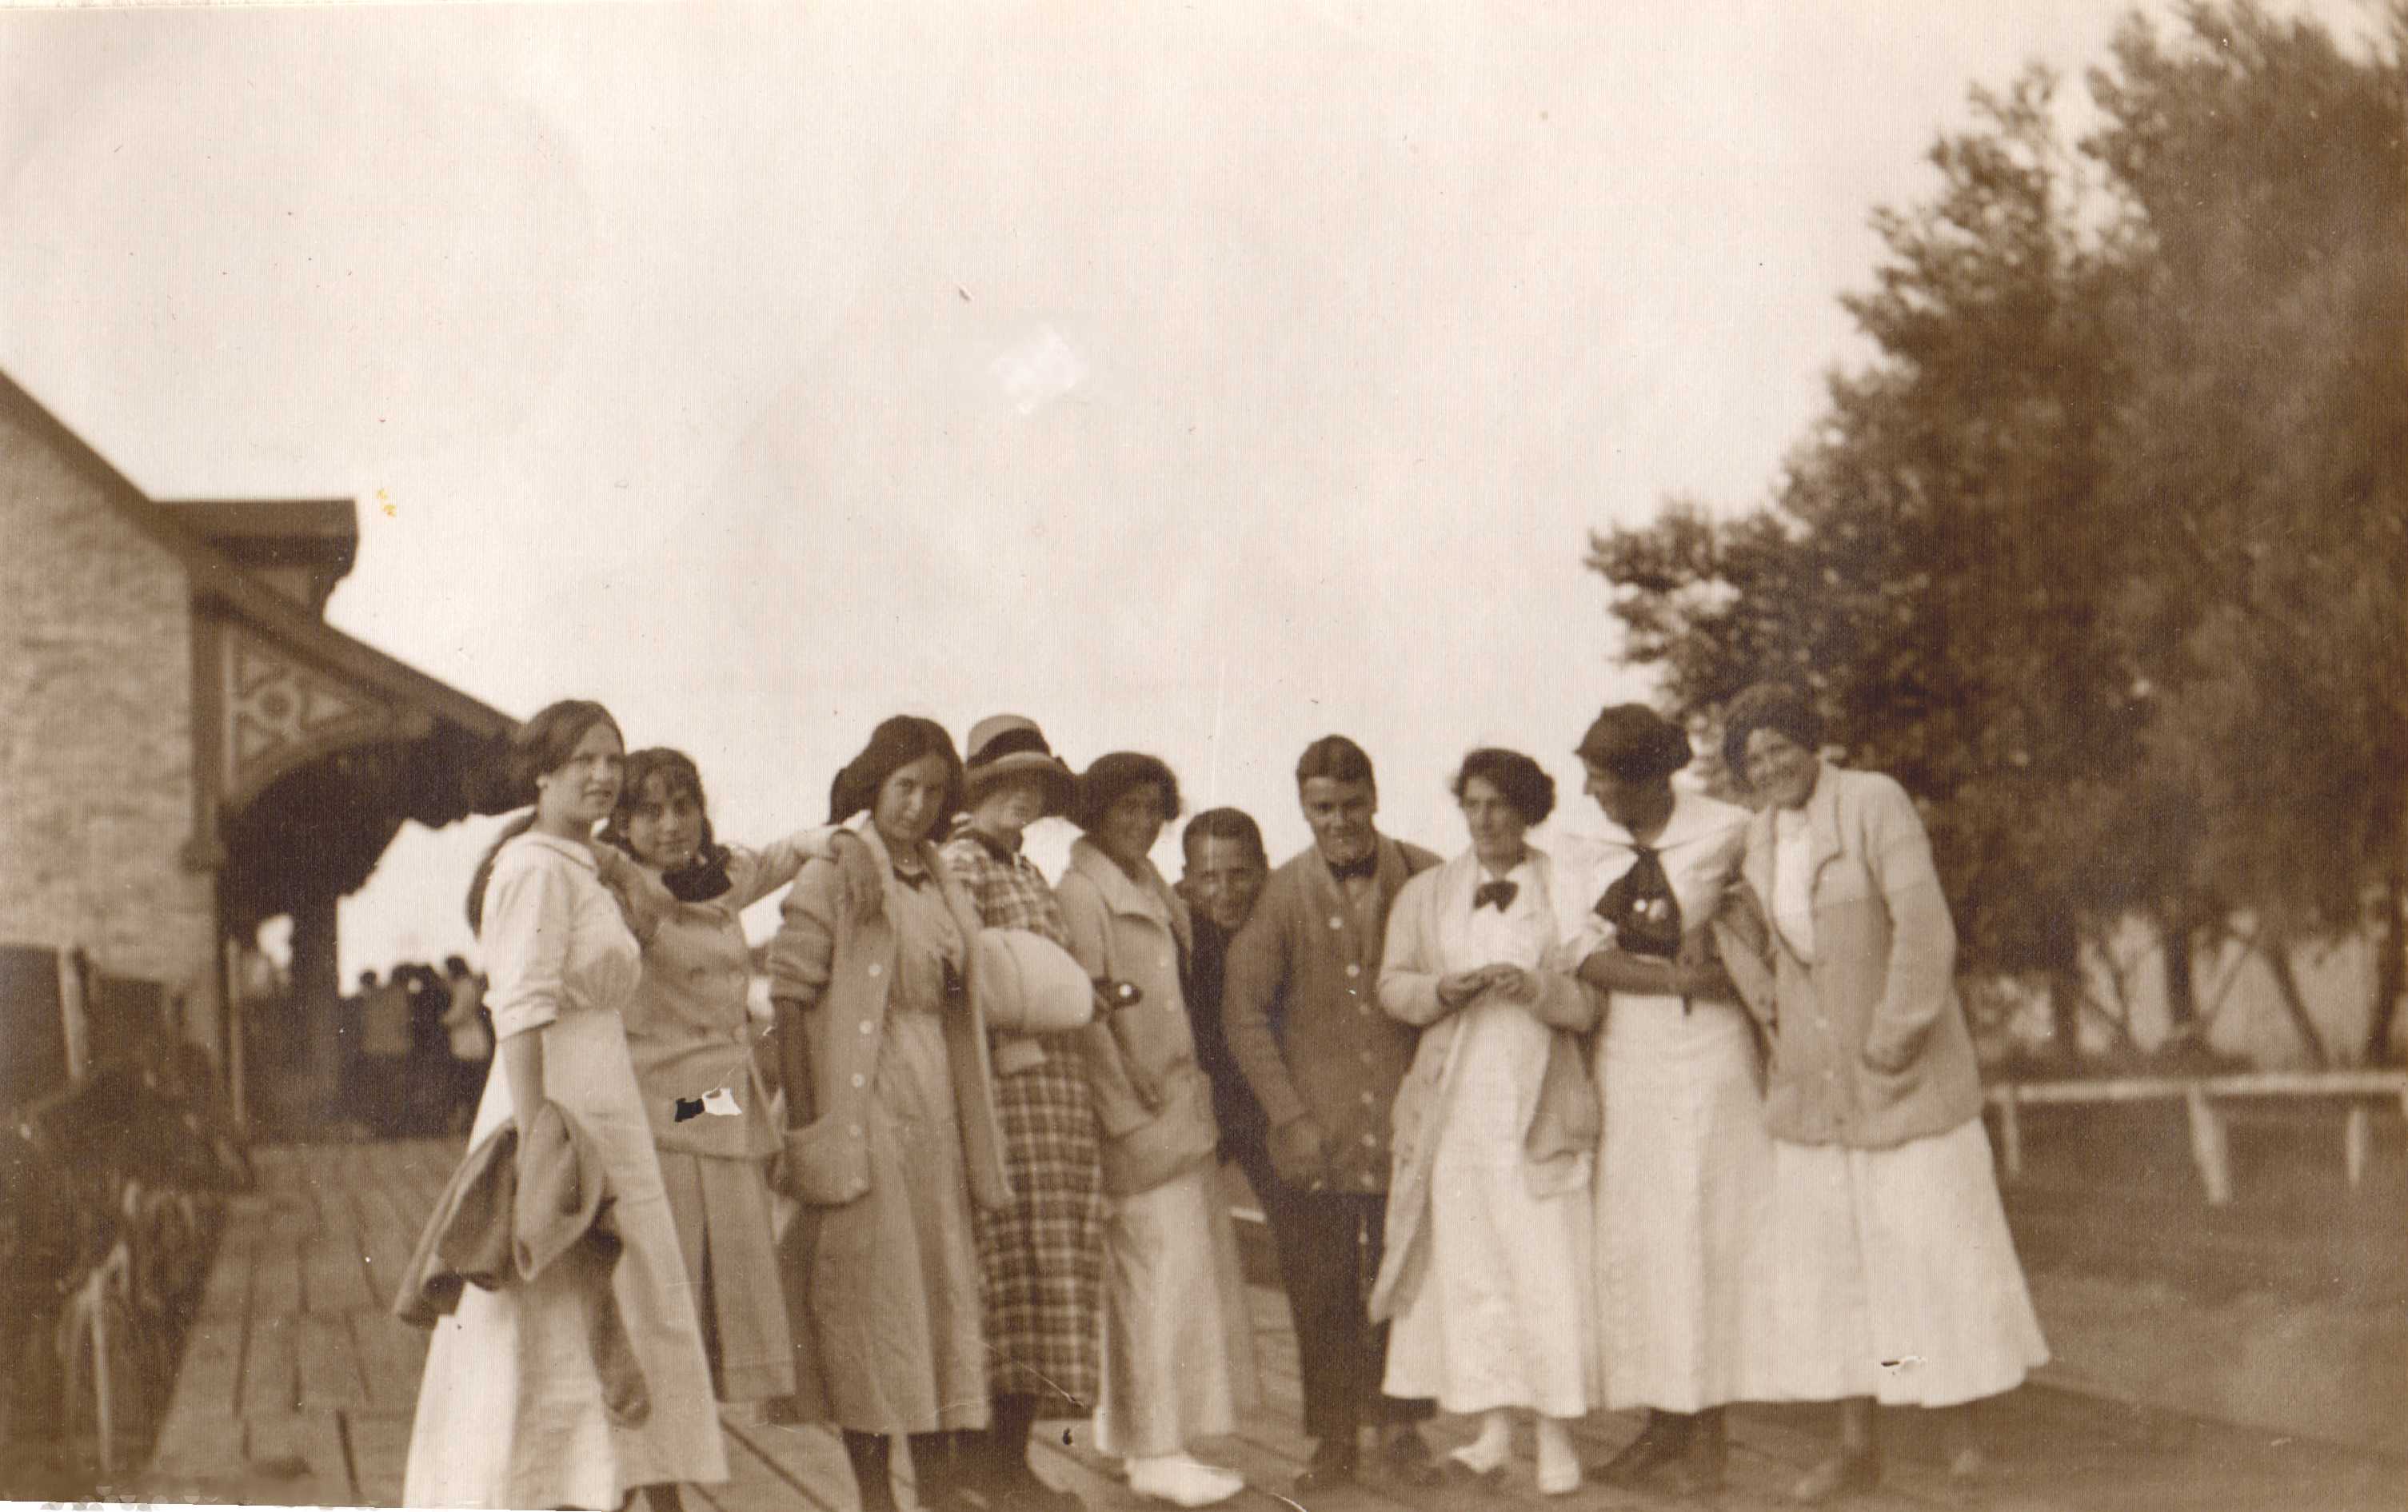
(2211, 1145)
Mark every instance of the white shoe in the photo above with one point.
(1181, 1480)
(1560, 1469)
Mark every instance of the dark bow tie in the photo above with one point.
(1642, 907)
(1368, 866)
(1499, 893)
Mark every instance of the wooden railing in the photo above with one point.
(2211, 1145)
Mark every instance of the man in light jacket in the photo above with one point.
(1300, 1008)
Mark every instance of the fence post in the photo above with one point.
(2356, 1135)
(2209, 1146)
(74, 1017)
(2011, 1134)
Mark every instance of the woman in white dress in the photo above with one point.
(511, 1409)
(1685, 1167)
(1486, 1270)
(1896, 1279)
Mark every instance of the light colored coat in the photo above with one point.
(1562, 1118)
(1152, 1101)
(1870, 1047)
(835, 954)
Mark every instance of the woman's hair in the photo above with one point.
(1336, 758)
(1635, 742)
(543, 744)
(895, 744)
(1105, 782)
(1225, 825)
(1766, 706)
(1523, 782)
(678, 777)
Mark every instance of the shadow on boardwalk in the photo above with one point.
(296, 1388)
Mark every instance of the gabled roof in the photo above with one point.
(217, 576)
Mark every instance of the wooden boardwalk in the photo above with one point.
(296, 1388)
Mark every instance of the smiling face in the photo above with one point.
(581, 792)
(1224, 878)
(1010, 806)
(1496, 826)
(910, 803)
(663, 824)
(1339, 815)
(1780, 770)
(1131, 825)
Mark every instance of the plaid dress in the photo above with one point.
(1040, 1259)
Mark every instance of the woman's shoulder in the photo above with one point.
(526, 854)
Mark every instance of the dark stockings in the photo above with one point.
(869, 1455)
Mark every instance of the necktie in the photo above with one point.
(1369, 865)
(1646, 915)
(1499, 893)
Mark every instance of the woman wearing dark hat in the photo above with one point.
(1683, 1165)
(690, 1037)
(891, 1128)
(1040, 1256)
(1178, 1362)
(1896, 1279)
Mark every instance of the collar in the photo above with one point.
(1148, 896)
(582, 855)
(995, 845)
(1695, 817)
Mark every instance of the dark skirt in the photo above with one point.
(1040, 1259)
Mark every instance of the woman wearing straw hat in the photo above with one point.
(1040, 1255)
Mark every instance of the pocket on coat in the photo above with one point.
(827, 1165)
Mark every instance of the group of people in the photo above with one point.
(1681, 1116)
(416, 1047)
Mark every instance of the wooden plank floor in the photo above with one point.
(296, 1388)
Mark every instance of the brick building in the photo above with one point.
(187, 749)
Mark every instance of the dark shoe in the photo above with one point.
(1333, 1464)
(1703, 1459)
(1843, 1474)
(1407, 1460)
(1661, 1442)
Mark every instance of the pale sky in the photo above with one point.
(1195, 379)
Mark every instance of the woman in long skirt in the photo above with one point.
(1486, 1272)
(1896, 1278)
(1178, 1362)
(1684, 1167)
(511, 1409)
(691, 1037)
(1040, 1255)
(891, 1129)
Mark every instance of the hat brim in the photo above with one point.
(1055, 777)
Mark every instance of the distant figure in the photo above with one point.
(1225, 869)
(384, 1053)
(1301, 1011)
(512, 1410)
(471, 1041)
(1895, 1278)
(1178, 1362)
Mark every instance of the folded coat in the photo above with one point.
(505, 1217)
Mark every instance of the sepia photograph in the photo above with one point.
(1340, 755)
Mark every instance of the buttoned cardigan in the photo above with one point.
(834, 957)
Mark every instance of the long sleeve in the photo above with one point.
(1255, 973)
(1921, 981)
(530, 913)
(802, 953)
(1409, 965)
(759, 873)
(1088, 922)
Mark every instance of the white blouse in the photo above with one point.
(1793, 888)
(552, 937)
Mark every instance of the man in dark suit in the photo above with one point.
(1225, 869)
(1300, 1008)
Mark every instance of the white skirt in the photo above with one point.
(510, 1410)
(1498, 1317)
(1684, 1209)
(1895, 1276)
(1179, 1341)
